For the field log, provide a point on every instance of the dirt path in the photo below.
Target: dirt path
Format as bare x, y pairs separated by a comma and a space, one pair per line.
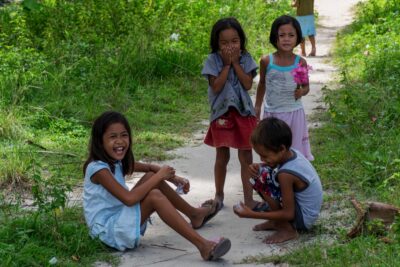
161, 246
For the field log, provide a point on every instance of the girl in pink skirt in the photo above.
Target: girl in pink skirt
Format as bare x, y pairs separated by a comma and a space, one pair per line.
278, 82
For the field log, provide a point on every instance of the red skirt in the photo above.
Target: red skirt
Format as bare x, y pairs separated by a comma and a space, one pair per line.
231, 130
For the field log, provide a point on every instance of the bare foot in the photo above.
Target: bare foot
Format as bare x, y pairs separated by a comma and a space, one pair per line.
312, 54
218, 201
265, 226
281, 236
206, 249
198, 219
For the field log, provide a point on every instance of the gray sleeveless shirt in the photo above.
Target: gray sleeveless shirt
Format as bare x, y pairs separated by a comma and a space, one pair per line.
279, 88
310, 198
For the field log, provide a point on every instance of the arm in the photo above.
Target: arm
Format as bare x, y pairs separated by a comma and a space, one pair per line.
286, 213
176, 180
261, 85
218, 83
145, 167
129, 198
246, 79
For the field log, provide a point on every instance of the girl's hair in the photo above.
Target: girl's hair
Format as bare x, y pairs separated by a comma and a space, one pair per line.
272, 133
224, 24
283, 20
96, 147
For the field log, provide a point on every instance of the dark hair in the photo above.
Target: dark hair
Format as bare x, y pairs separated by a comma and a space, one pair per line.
223, 24
96, 147
272, 133
283, 20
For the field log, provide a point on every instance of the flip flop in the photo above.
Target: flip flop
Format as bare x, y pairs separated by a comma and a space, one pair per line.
208, 217
261, 207
220, 249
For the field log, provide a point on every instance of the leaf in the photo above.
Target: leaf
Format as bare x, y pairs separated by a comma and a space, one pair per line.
31, 4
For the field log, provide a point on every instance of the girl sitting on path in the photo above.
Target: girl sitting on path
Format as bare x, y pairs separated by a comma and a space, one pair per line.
287, 182
230, 70
282, 97
117, 215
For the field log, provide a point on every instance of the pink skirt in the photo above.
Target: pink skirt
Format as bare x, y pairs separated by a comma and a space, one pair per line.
231, 130
298, 124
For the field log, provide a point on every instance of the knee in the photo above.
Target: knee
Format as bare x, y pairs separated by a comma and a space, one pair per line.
155, 195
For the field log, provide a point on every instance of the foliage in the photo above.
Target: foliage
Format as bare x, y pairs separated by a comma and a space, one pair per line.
65, 62
32, 239
367, 108
26, 234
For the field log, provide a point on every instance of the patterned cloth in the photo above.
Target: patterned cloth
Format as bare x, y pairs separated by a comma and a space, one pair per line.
266, 183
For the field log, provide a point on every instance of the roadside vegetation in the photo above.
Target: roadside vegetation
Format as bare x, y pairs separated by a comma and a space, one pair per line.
357, 148
62, 63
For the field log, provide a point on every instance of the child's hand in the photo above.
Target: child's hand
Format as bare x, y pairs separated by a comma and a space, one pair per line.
242, 210
298, 93
181, 182
254, 170
235, 54
166, 172
226, 56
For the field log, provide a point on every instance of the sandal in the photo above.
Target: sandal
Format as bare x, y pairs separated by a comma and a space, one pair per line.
208, 216
220, 249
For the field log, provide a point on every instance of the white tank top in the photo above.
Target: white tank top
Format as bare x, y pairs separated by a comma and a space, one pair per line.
279, 88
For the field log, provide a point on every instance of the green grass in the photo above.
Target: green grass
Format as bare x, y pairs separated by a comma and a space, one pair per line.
65, 62
33, 239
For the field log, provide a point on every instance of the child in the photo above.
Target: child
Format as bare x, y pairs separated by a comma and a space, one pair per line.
230, 70
305, 16
117, 215
289, 183
282, 98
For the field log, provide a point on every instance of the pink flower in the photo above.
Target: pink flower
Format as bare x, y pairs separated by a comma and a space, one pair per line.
300, 74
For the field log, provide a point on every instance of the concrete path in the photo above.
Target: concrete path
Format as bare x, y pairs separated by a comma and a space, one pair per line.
161, 246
